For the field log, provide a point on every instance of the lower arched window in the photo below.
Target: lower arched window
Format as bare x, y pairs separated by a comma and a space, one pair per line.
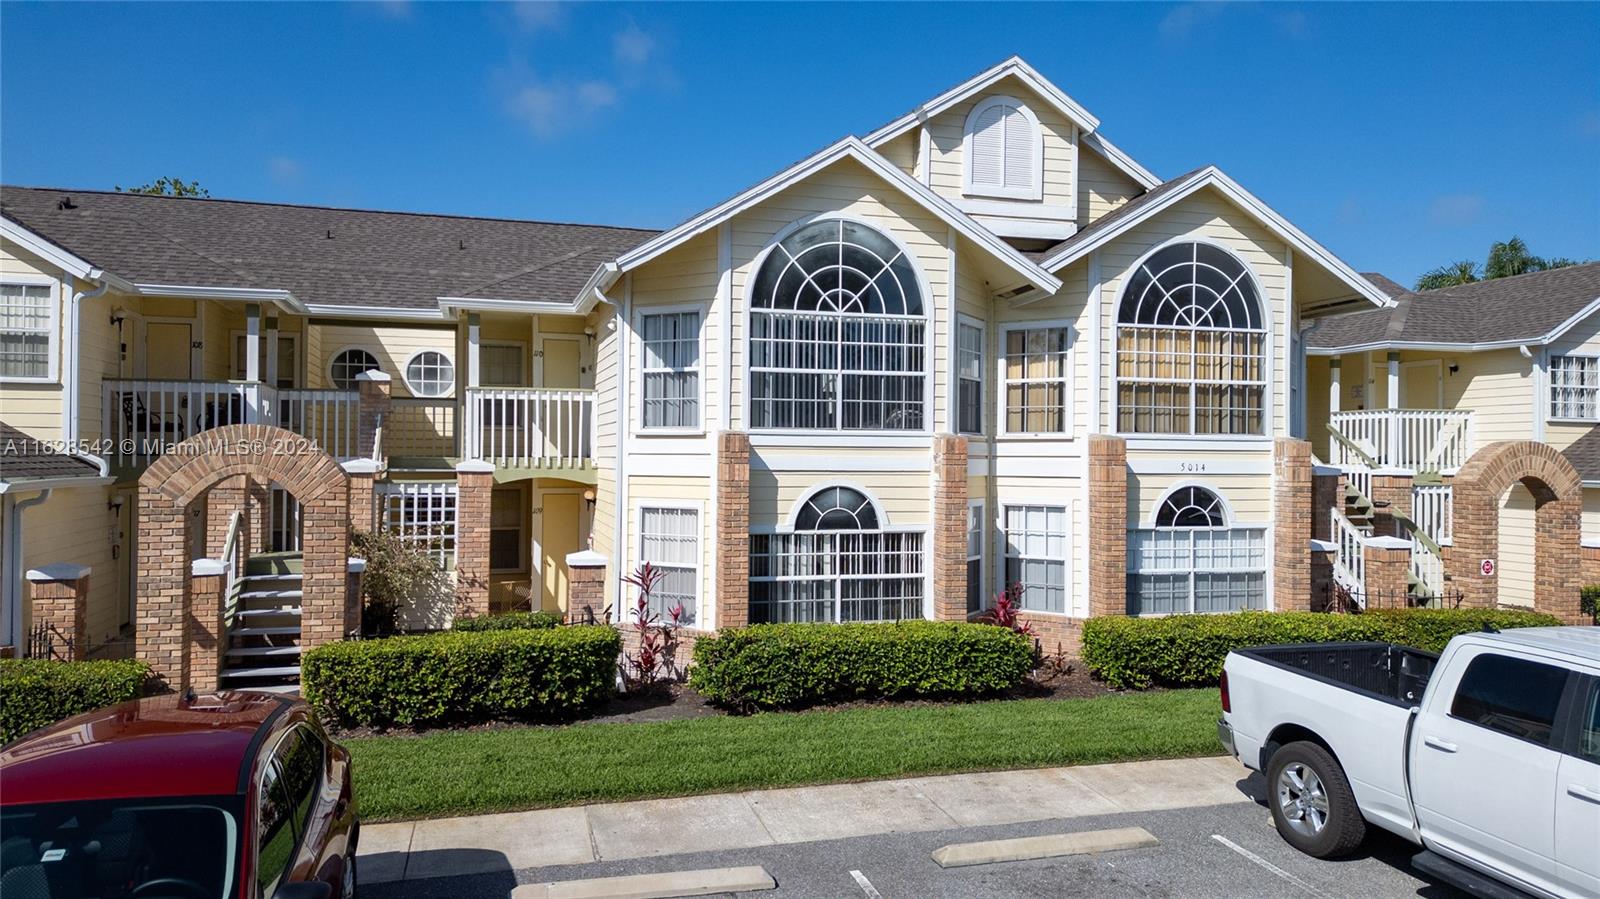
1193, 559
838, 562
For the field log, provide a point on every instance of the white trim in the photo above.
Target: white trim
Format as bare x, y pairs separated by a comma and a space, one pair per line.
839, 463
1035, 188
450, 305
702, 312
405, 374
1013, 67
23, 486
1096, 335
385, 313
1069, 558
1061, 216
724, 304
1207, 465
925, 156
1119, 159
53, 342
1509, 344
1229, 519
1003, 408
698, 507
283, 299
814, 489
1199, 442
1213, 177
327, 371
60, 257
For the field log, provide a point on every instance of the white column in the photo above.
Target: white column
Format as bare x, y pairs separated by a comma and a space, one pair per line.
1334, 388
1394, 379
252, 342
272, 351
474, 433
472, 350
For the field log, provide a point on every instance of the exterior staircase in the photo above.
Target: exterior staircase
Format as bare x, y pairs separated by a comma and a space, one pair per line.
264, 625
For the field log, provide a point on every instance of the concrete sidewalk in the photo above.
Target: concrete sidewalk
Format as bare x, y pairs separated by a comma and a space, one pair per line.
581, 835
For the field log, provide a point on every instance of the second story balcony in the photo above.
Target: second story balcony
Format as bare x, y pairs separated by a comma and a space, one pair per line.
1419, 440
141, 419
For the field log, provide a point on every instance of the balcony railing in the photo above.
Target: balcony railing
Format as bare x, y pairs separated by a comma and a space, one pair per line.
1421, 440
519, 427
141, 419
422, 428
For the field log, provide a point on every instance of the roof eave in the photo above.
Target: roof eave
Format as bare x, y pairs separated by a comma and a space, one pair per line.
1015, 66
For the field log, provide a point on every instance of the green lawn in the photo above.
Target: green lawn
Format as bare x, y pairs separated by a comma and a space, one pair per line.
442, 774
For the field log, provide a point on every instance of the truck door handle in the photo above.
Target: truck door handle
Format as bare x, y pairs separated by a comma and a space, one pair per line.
1441, 745
1583, 792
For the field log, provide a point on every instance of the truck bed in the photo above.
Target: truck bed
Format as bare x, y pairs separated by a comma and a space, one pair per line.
1395, 674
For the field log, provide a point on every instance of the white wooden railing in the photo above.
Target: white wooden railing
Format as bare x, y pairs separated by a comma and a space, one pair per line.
1433, 509
1349, 557
1413, 439
283, 524
330, 417
530, 427
1361, 480
1426, 565
421, 427
141, 419
230, 570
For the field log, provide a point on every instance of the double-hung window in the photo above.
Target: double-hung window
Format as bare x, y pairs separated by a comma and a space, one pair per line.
27, 332
974, 556
669, 539
969, 376
1034, 373
1036, 555
506, 544
1575, 387
1194, 560
671, 369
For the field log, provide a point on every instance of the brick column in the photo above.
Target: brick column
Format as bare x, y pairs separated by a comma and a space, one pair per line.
1326, 493
1388, 561
373, 387
1322, 553
1557, 558
60, 597
1108, 525
258, 517
163, 586
474, 487
949, 557
1391, 501
203, 630
1589, 567
325, 614
226, 498
363, 482
1291, 524
733, 529
586, 587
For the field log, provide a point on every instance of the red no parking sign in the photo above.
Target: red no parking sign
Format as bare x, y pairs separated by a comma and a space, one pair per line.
1486, 567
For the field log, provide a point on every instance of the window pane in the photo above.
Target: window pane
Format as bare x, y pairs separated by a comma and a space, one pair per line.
1512, 696
275, 829
670, 540
500, 365
347, 365
430, 374
1589, 732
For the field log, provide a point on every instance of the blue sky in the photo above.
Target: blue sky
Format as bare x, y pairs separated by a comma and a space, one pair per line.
1400, 136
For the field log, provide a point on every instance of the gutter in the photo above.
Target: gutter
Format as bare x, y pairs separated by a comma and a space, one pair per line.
11, 576
70, 386
48, 484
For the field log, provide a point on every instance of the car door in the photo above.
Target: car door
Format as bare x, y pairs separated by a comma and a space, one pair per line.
1577, 847
1484, 767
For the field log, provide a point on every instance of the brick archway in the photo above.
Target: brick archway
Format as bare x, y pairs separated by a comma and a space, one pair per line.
179, 628
1558, 506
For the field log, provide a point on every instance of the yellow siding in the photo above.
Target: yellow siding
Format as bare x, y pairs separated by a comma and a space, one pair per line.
1591, 513
393, 345
1516, 547
947, 130
671, 491
905, 497
1248, 495
1102, 187
686, 276
902, 151
35, 409
75, 526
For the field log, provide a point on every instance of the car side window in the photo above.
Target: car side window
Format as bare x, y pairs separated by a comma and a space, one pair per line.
1589, 725
1513, 696
276, 832
301, 757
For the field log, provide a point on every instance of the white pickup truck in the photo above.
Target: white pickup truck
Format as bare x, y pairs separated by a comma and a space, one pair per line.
1487, 756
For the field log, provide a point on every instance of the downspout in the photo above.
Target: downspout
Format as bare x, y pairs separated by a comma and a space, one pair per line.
70, 381
13, 566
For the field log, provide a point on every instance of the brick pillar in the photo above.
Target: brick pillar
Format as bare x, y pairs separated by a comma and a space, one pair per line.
1557, 558
1589, 567
1322, 553
586, 587
373, 387
733, 529
363, 480
1391, 501
474, 488
1291, 523
258, 517
325, 613
949, 558
163, 586
227, 497
60, 597
1326, 493
1388, 561
204, 634
1108, 525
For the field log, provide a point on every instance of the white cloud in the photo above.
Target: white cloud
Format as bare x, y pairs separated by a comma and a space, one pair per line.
284, 170
633, 46
1294, 23
394, 9
1455, 210
538, 15
1182, 20
549, 107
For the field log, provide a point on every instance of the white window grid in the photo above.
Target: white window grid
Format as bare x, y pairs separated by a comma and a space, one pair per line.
975, 584
1168, 383
837, 371
837, 576
1202, 569
969, 376
501, 365
27, 331
348, 363
1035, 379
422, 513
1035, 539
1575, 387
430, 374
670, 398
669, 539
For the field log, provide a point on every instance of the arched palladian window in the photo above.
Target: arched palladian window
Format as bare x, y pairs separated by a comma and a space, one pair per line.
838, 333
838, 562
1195, 559
1002, 152
1191, 345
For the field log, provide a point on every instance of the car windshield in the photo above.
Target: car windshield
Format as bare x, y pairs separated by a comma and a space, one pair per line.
109, 849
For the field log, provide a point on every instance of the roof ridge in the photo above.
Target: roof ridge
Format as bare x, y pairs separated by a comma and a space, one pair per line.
529, 269
328, 208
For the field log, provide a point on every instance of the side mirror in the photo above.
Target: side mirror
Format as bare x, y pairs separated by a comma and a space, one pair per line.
311, 889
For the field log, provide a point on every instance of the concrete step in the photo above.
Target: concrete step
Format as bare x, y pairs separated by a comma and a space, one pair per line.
270, 578
264, 651
271, 594
284, 631
262, 613
269, 671
273, 563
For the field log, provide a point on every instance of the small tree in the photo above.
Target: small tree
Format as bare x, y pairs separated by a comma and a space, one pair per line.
655, 642
167, 187
399, 573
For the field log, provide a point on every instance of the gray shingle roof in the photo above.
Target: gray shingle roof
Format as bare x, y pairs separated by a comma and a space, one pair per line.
398, 259
1517, 309
22, 458
1584, 454
1110, 219
1384, 283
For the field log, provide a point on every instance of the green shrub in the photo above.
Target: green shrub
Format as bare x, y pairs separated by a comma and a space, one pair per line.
512, 621
462, 677
1188, 650
792, 665
37, 692
1589, 602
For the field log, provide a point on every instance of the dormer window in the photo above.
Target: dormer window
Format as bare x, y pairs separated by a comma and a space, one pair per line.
1002, 153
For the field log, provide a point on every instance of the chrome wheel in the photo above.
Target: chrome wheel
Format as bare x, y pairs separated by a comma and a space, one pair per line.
1302, 799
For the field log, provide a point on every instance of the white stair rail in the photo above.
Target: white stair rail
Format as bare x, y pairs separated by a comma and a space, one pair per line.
1349, 556
230, 570
1414, 439
1426, 565
1433, 509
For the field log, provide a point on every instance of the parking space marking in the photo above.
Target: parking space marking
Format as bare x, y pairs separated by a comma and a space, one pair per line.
1269, 866
866, 885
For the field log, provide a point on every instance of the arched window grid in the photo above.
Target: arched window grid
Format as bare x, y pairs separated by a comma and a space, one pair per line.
1195, 558
1191, 345
838, 333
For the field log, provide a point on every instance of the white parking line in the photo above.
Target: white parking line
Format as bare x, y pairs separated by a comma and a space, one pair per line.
866, 885
1258, 860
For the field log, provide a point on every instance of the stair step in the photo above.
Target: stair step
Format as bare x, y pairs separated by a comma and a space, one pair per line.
271, 594
284, 631
257, 613
264, 651
269, 671
272, 577
273, 563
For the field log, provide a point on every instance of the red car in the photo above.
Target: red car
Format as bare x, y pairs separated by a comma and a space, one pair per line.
231, 795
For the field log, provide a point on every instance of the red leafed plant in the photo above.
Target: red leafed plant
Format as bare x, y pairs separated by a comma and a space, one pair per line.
1006, 611
649, 654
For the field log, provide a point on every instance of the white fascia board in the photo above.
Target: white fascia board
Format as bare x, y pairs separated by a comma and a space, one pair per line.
1069, 108
451, 305
1483, 346
58, 256
593, 293
33, 485
386, 313
1569, 324
281, 298
1115, 155
1211, 176
853, 148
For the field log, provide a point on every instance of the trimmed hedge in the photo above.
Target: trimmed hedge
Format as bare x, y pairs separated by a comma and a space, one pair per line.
38, 692
793, 665
1188, 650
511, 621
463, 678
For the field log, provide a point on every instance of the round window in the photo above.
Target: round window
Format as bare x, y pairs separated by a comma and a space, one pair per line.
347, 364
429, 373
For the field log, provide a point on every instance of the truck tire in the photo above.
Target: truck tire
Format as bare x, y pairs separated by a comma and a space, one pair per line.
1312, 805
